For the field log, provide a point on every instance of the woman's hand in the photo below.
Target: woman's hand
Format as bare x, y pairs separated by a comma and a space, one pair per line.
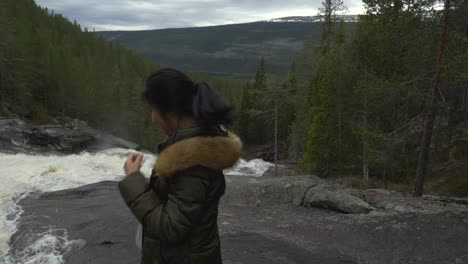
133, 163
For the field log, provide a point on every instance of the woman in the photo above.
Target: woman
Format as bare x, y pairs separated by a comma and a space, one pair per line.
178, 208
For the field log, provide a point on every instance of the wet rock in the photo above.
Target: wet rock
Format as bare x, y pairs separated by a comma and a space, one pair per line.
62, 139
16, 136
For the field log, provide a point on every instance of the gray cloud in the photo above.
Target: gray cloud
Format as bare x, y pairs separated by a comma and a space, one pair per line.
153, 14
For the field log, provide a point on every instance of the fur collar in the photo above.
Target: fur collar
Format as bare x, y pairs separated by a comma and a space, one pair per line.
217, 153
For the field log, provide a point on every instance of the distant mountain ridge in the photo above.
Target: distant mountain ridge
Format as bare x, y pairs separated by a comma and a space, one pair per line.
226, 50
315, 19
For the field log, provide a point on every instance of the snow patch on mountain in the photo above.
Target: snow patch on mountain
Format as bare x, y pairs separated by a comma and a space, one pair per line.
314, 19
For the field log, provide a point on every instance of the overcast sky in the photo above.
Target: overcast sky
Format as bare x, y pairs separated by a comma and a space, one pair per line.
154, 14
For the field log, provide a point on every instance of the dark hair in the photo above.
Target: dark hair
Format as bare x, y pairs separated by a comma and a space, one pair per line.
170, 90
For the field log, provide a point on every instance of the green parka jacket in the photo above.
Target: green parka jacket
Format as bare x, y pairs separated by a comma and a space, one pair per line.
178, 207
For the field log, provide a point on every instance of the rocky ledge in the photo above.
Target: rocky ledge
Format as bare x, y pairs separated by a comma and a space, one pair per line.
17, 136
294, 219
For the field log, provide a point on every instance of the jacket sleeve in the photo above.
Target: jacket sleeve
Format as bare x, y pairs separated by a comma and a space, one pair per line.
167, 220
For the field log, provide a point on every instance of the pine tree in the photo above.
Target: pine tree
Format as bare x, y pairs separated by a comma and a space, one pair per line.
432, 109
258, 130
322, 146
245, 119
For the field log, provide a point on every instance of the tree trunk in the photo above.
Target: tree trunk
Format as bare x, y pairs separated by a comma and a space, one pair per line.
365, 165
276, 136
329, 23
431, 112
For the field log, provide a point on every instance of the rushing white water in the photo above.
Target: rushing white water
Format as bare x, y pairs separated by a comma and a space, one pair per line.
22, 174
255, 167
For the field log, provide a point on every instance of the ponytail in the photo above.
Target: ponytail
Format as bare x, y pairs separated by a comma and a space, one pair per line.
208, 106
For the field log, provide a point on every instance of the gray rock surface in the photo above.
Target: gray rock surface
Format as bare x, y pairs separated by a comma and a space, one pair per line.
388, 200
260, 222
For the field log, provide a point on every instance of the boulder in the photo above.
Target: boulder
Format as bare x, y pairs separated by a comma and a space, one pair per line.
338, 199
259, 191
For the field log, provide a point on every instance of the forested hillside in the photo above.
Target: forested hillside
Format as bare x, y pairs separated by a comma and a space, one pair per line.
225, 50
367, 104
50, 67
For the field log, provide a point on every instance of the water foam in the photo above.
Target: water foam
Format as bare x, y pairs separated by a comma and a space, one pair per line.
46, 247
255, 167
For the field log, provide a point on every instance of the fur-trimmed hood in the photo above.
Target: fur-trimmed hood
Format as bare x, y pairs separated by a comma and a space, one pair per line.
218, 152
